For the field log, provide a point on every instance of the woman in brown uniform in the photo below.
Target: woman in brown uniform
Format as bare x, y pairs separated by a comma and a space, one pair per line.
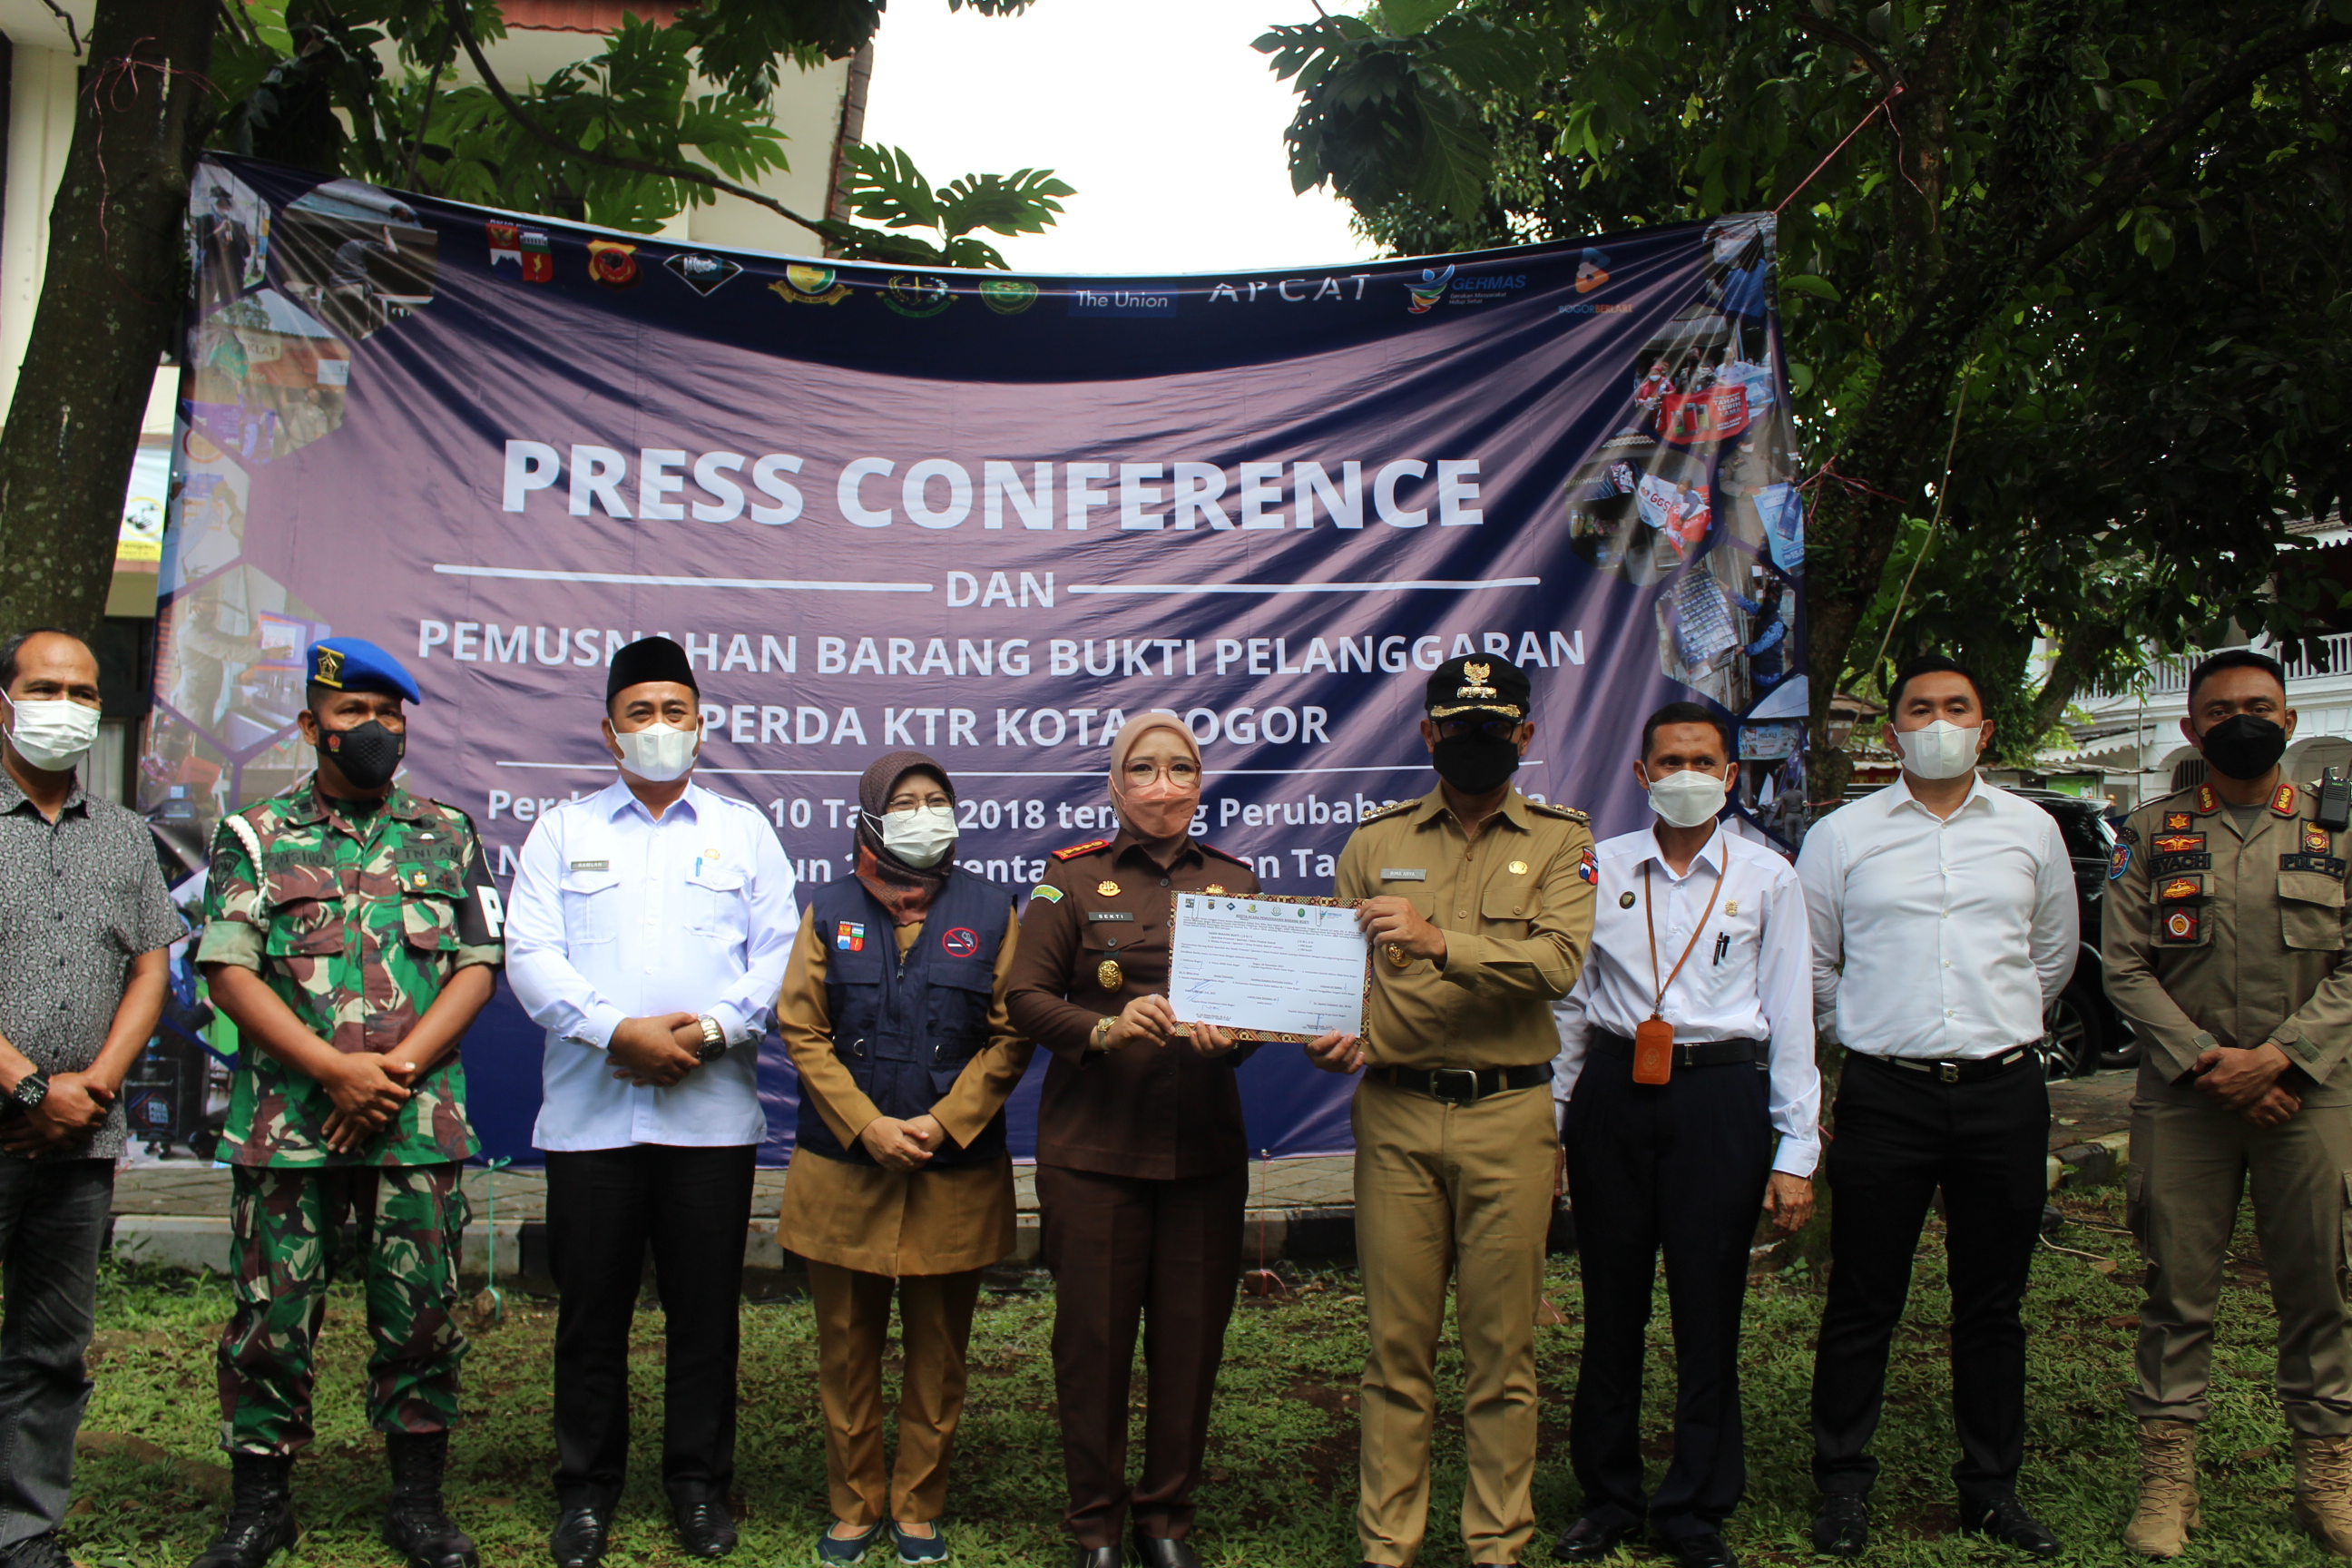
891, 1008
1142, 1161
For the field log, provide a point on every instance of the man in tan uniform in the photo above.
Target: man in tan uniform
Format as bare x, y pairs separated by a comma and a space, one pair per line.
2225, 946
1479, 904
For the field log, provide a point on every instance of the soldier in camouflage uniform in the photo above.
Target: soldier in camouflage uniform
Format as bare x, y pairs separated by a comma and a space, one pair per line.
351, 932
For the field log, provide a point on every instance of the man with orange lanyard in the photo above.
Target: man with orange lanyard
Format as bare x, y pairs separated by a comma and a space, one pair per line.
1701, 953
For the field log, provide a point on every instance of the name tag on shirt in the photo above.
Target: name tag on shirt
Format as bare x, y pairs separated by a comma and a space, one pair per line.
591, 865
1404, 874
1094, 917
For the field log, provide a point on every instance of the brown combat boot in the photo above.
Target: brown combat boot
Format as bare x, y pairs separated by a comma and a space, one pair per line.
2168, 1489
2323, 1491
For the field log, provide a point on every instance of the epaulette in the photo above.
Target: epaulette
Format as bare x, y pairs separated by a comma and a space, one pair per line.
1225, 854
2284, 801
1387, 811
1088, 847
1564, 813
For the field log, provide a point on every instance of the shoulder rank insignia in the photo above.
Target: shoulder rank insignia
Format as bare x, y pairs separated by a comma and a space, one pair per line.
2180, 926
1387, 811
1588, 867
2316, 838
1563, 813
1075, 850
2179, 843
2118, 859
2176, 821
2208, 801
2284, 801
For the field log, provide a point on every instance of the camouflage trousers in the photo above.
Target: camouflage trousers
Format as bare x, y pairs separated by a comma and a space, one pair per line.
287, 1235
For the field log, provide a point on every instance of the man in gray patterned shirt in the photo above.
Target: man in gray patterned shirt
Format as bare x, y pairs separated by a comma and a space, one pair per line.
84, 925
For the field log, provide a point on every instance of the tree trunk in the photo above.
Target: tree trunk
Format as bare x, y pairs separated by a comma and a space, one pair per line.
110, 299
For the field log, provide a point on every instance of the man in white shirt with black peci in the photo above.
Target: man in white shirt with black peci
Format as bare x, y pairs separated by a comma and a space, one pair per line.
647, 934
1944, 920
1700, 935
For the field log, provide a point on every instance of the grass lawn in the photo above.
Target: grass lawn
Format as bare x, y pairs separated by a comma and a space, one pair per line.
1282, 1459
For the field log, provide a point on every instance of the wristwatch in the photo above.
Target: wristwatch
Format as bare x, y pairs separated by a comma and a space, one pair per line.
30, 1091
714, 1041
1101, 1040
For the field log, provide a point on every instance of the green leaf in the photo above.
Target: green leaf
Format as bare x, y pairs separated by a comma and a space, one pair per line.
1403, 19
1807, 283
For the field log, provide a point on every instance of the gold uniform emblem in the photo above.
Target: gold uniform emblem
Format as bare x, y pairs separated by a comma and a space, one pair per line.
331, 668
1397, 957
1108, 890
1474, 680
421, 878
1732, 908
1216, 887
1516, 867
1109, 975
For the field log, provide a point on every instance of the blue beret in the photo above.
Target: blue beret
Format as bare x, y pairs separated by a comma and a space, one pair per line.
354, 664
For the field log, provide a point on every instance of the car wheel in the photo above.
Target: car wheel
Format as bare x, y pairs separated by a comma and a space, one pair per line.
2075, 1032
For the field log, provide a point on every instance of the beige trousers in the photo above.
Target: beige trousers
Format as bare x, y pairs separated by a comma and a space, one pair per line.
1462, 1192
853, 1330
2190, 1165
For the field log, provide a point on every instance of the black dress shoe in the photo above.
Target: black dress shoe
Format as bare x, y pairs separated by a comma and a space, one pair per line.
579, 1536
2006, 1520
705, 1529
1101, 1557
1589, 1540
1158, 1551
1841, 1527
1706, 1550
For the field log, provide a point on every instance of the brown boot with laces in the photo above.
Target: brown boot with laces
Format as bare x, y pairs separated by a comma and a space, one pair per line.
2168, 1489
2323, 1490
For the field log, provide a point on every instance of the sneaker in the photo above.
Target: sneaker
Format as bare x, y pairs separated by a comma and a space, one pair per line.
932, 1548
844, 1548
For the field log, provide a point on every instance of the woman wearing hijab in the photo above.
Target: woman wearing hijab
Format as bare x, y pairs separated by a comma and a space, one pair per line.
1142, 1163
892, 1010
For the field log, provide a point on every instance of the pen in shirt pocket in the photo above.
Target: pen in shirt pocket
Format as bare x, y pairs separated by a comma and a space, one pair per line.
1722, 946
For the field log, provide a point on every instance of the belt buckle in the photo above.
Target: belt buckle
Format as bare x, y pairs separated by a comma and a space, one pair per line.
1439, 1074
1950, 1072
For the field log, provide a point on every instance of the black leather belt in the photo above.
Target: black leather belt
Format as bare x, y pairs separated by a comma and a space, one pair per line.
1698, 1054
1462, 1085
1945, 1069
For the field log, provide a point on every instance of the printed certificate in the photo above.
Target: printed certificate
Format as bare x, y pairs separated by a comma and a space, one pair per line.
1269, 969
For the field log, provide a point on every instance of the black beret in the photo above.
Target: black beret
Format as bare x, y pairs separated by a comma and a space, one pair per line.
649, 659
1476, 684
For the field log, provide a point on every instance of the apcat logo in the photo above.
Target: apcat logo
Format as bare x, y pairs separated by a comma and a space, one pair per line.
1292, 291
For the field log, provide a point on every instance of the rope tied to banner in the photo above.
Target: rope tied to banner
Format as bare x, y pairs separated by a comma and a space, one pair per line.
1882, 105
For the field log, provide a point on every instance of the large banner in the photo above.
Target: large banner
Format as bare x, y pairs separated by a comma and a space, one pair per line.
988, 516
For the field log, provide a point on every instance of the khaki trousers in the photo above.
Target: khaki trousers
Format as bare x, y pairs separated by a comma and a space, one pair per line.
1460, 1191
853, 1330
2190, 1164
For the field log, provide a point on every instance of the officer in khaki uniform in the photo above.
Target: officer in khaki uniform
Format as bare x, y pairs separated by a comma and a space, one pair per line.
2225, 948
1479, 905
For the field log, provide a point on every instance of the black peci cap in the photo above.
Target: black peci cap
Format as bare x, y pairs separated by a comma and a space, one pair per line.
649, 659
1476, 684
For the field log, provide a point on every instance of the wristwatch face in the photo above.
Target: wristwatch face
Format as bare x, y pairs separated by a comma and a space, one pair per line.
30, 1091
712, 1050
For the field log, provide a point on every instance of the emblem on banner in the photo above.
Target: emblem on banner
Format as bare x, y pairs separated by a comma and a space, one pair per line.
1425, 294
613, 264
918, 294
702, 273
537, 260
1592, 273
805, 285
506, 250
1007, 296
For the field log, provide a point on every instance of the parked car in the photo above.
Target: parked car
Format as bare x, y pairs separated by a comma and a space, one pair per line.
2082, 1030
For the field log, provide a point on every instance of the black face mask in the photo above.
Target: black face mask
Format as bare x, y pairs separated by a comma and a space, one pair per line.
2244, 747
1476, 762
369, 754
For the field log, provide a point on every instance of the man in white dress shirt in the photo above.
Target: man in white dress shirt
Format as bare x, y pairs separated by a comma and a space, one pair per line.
648, 932
1682, 1165
1944, 920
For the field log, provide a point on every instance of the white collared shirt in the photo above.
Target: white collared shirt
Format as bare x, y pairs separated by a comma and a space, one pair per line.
615, 915
1954, 933
1756, 990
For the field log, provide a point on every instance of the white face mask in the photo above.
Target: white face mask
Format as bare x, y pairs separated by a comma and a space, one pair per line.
1941, 750
1687, 797
53, 735
921, 836
657, 753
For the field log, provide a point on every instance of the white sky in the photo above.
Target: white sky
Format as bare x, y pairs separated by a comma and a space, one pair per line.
1162, 116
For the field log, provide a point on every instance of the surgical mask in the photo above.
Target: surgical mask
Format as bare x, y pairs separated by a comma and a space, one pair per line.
921, 836
1476, 762
368, 754
657, 753
1687, 797
53, 735
2243, 746
1941, 750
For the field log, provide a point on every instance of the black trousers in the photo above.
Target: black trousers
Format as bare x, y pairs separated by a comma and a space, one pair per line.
603, 1206
1678, 1167
1900, 1135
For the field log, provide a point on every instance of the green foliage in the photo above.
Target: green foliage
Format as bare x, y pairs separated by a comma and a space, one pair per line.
616, 139
2125, 217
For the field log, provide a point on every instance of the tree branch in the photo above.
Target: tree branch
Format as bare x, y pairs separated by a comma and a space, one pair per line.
1830, 32
822, 227
2130, 167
